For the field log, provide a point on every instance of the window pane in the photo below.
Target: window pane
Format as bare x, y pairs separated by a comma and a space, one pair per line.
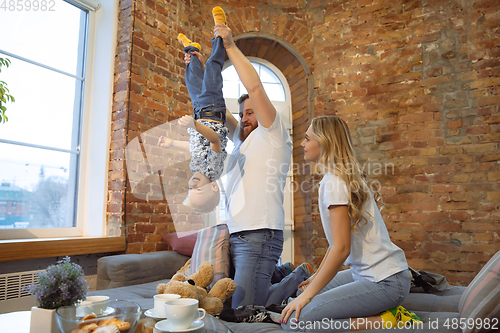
37, 187
268, 76
272, 83
229, 74
230, 89
242, 90
45, 106
275, 92
256, 66
48, 37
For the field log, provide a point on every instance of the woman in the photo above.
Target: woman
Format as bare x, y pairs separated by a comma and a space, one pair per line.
378, 278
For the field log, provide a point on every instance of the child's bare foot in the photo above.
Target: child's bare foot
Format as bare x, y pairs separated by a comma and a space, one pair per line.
187, 42
219, 15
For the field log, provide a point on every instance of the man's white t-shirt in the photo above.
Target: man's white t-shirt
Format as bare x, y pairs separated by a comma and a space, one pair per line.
256, 177
373, 255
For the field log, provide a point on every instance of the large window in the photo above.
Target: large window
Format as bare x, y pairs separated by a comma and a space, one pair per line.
41, 143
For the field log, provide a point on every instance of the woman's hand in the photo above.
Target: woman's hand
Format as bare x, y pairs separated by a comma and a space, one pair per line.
296, 305
306, 283
221, 30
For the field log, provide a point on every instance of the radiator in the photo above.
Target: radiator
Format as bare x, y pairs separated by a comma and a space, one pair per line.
12, 295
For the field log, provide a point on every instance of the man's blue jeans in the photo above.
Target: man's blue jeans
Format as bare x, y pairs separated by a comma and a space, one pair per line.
344, 298
205, 89
254, 254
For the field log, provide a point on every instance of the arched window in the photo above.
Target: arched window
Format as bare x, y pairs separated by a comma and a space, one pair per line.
233, 88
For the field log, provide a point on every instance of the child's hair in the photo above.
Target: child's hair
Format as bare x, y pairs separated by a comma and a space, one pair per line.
338, 157
211, 202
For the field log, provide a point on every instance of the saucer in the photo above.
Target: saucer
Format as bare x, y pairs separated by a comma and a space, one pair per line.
163, 326
151, 313
107, 312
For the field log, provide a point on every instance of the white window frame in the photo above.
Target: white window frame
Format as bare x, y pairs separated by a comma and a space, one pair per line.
95, 127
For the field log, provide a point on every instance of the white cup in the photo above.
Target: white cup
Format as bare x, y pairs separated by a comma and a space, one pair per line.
92, 304
160, 300
181, 313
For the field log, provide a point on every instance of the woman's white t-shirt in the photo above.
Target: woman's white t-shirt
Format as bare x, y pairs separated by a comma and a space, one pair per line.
373, 256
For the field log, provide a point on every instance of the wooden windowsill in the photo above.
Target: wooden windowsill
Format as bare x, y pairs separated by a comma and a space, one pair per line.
19, 249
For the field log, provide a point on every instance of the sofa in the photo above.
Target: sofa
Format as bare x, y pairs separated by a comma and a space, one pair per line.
458, 309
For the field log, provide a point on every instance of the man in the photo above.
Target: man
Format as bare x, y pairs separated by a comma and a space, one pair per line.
256, 177
254, 191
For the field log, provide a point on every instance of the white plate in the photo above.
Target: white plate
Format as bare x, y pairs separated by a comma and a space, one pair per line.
151, 313
163, 326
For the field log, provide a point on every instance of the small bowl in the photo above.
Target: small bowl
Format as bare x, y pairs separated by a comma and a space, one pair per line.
127, 311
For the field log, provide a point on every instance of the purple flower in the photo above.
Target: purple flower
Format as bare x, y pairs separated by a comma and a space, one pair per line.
60, 285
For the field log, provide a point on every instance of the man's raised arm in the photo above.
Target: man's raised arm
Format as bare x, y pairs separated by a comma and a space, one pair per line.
264, 109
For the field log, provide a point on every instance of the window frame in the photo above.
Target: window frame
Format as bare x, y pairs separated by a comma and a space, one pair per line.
95, 127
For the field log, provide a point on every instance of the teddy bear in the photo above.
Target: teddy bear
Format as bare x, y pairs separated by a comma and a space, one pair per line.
193, 286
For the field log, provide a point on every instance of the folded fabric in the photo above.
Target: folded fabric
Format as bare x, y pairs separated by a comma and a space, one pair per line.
427, 282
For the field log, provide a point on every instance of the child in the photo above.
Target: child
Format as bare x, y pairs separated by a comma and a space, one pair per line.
378, 278
208, 133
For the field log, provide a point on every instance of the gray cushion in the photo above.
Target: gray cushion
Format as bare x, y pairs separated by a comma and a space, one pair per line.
480, 303
131, 269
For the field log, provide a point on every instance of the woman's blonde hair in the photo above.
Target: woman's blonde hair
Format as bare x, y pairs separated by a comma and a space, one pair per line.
338, 156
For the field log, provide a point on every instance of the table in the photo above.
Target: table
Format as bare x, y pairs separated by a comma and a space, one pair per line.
214, 325
19, 322
15, 322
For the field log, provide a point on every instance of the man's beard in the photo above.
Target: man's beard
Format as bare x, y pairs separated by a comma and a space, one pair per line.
243, 135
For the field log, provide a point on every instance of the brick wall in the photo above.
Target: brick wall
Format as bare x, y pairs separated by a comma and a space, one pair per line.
417, 81
149, 91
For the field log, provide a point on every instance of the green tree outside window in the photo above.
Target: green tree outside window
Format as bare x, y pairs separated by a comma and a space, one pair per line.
4, 93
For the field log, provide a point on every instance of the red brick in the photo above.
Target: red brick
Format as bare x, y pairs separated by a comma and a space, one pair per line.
430, 206
144, 228
445, 188
440, 247
454, 123
417, 117
440, 226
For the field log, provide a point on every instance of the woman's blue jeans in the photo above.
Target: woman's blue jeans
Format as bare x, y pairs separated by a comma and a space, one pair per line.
254, 254
205, 89
344, 298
